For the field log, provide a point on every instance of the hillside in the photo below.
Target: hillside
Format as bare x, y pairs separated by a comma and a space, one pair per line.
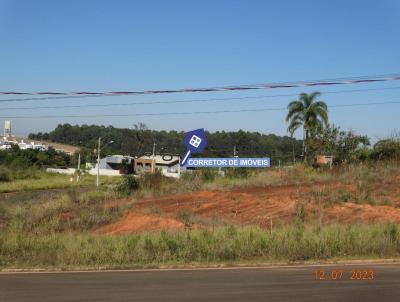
140, 140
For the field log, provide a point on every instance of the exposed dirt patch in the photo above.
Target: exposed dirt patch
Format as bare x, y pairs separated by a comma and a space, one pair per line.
256, 206
137, 222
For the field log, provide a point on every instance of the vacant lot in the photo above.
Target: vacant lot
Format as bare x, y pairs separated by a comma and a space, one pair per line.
39, 180
362, 194
293, 214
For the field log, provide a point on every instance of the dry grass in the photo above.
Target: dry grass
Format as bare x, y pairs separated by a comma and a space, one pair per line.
47, 181
54, 230
227, 245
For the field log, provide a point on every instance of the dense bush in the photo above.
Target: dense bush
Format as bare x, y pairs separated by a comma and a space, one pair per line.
239, 172
152, 181
344, 146
128, 184
386, 149
208, 174
22, 159
5, 174
14, 173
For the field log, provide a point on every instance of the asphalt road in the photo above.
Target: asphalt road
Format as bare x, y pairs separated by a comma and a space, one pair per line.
297, 283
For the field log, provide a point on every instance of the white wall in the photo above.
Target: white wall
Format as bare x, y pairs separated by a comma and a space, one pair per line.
69, 171
107, 172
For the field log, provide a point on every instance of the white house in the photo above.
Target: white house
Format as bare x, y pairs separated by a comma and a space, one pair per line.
114, 165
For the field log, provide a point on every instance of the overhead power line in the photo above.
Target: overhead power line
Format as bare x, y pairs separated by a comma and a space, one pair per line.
326, 82
192, 100
188, 113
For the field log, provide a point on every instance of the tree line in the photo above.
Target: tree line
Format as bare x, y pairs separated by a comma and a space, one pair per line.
322, 138
307, 113
139, 140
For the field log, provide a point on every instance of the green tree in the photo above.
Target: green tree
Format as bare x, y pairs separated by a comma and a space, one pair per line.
387, 149
308, 113
139, 140
344, 146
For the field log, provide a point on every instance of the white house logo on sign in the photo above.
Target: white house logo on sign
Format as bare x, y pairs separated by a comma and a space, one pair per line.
195, 141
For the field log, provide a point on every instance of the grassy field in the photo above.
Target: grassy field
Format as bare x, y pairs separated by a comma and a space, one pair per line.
45, 181
55, 229
208, 179
362, 175
223, 245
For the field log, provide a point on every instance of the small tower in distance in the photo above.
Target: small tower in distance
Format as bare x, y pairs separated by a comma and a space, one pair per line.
7, 128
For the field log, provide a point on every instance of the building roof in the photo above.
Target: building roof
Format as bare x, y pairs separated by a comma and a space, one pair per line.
117, 159
166, 159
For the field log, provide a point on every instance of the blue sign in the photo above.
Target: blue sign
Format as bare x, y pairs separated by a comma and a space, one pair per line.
195, 141
233, 162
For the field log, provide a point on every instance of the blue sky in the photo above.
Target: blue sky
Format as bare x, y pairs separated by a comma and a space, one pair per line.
138, 45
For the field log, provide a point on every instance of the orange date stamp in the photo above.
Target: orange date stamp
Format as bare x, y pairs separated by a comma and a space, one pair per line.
336, 274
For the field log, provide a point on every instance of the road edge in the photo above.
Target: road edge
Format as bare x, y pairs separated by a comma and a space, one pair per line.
189, 267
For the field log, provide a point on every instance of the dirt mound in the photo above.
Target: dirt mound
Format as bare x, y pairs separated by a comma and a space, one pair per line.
257, 206
137, 222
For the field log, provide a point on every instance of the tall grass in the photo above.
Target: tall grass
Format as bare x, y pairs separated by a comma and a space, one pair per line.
227, 245
40, 180
55, 230
70, 211
156, 184
371, 183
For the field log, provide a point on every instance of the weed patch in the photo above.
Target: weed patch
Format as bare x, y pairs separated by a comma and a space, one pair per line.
226, 244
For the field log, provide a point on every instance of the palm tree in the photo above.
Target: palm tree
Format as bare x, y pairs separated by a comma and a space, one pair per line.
291, 131
306, 112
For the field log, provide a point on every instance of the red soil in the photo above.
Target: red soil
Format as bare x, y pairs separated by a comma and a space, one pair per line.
137, 222
254, 206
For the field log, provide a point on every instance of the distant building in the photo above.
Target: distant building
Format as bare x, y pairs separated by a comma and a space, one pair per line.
4, 145
7, 128
324, 160
117, 162
167, 164
25, 146
114, 165
117, 165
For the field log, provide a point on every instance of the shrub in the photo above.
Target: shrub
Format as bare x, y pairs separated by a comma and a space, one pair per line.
386, 149
3, 214
5, 174
185, 217
238, 173
152, 180
300, 214
128, 184
191, 180
28, 173
208, 174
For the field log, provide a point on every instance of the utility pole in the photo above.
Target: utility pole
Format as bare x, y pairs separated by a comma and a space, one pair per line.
78, 176
234, 151
153, 165
154, 149
98, 163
